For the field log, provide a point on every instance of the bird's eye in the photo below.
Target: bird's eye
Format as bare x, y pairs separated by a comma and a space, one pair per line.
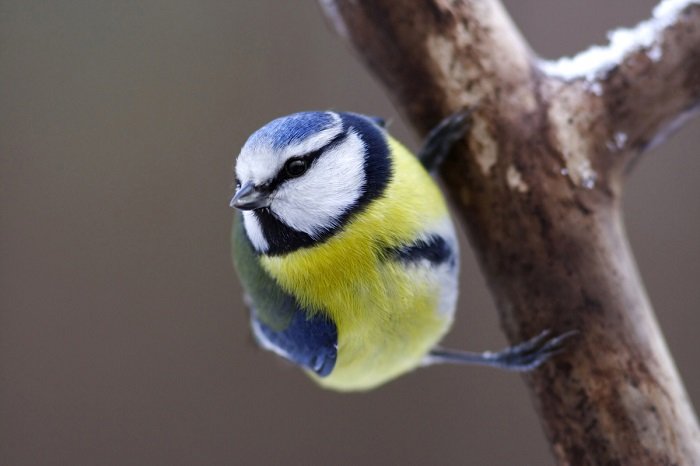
295, 167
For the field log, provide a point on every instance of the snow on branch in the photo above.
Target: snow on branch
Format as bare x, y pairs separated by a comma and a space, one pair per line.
595, 62
643, 85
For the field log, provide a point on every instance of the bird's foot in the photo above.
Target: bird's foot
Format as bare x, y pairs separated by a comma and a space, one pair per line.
531, 353
442, 138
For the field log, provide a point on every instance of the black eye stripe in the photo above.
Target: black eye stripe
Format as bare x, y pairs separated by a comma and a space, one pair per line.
309, 158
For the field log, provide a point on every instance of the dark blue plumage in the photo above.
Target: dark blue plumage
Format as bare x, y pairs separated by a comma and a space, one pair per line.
280, 323
377, 160
310, 342
292, 129
434, 249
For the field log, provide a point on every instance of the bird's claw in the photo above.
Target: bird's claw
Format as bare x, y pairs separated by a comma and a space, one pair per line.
531, 353
441, 138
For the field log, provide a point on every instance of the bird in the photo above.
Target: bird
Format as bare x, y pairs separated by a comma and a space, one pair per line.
347, 253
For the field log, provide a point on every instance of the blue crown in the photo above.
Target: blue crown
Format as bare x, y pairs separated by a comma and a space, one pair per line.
291, 129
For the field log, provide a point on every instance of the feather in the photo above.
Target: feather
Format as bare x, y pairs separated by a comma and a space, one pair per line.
279, 323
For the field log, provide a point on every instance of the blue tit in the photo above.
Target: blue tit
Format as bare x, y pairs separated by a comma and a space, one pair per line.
347, 253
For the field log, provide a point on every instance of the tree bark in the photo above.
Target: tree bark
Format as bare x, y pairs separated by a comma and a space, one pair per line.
538, 183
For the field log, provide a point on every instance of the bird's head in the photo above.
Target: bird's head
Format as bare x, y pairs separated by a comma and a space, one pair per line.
300, 177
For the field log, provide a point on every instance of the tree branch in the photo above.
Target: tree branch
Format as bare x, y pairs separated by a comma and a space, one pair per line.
432, 43
648, 77
539, 192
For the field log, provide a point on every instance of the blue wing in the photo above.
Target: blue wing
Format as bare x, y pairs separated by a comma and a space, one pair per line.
279, 323
310, 342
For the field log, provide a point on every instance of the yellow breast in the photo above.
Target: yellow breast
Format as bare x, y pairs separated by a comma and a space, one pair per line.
385, 312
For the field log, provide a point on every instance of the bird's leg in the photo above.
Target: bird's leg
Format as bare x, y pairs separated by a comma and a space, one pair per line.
521, 357
440, 140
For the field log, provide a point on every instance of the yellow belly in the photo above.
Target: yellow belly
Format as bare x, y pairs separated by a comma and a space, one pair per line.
388, 314
391, 338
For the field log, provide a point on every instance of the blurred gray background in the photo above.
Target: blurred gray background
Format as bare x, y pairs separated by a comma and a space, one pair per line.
123, 338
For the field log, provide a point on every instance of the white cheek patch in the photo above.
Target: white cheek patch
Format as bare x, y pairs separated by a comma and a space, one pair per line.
314, 202
254, 232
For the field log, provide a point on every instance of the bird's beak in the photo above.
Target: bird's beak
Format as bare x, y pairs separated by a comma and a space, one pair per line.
250, 197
